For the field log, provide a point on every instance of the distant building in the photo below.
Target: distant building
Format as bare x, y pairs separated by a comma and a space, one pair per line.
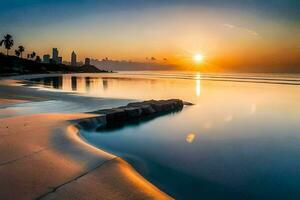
87, 61
66, 62
73, 59
59, 60
52, 61
55, 55
46, 58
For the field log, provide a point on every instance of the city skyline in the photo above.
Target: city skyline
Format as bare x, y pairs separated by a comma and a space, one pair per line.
230, 35
55, 58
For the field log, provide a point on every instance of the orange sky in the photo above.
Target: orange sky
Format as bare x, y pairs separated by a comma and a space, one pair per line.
227, 38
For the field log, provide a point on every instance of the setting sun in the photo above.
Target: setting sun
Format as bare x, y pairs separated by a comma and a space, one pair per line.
198, 57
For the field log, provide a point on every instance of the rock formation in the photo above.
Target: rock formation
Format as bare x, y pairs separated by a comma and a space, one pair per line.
133, 111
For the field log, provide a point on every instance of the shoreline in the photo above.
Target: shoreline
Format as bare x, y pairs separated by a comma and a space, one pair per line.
44, 157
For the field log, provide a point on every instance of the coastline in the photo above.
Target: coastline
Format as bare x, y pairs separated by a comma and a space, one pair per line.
43, 156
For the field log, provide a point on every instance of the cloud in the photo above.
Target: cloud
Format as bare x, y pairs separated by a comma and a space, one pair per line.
246, 30
229, 25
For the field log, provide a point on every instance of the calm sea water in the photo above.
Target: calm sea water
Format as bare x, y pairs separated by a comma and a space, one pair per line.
241, 139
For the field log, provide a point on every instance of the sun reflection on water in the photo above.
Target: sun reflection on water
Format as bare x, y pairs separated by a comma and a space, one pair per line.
190, 138
198, 84
228, 118
253, 109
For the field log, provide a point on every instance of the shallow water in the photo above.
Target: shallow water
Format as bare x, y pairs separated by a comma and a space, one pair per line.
241, 140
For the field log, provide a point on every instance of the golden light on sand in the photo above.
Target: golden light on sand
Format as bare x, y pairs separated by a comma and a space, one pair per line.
198, 57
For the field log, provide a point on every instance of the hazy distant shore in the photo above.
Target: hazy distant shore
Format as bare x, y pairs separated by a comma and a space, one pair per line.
11, 65
43, 156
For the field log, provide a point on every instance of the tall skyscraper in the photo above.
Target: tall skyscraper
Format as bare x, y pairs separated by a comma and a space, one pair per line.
73, 59
60, 60
55, 55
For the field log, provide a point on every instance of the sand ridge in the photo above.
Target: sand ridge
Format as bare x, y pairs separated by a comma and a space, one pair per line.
42, 156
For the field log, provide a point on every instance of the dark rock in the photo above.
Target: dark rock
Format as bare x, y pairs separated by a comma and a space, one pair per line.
133, 112
138, 110
157, 107
92, 122
116, 115
104, 111
147, 110
135, 104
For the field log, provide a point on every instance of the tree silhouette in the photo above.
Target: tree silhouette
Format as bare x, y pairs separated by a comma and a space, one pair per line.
8, 42
32, 55
21, 49
17, 52
38, 59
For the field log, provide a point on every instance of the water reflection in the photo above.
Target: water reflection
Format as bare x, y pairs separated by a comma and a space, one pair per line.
81, 85
253, 109
228, 118
198, 88
198, 85
122, 87
190, 137
249, 144
74, 83
105, 84
207, 125
66, 83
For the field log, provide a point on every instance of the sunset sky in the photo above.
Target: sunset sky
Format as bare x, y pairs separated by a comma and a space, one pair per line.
230, 35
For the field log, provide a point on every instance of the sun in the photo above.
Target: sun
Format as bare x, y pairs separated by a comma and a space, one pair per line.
198, 57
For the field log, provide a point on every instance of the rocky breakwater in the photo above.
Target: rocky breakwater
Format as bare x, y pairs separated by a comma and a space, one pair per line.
140, 110
136, 111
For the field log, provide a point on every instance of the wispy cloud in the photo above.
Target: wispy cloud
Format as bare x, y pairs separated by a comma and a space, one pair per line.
243, 29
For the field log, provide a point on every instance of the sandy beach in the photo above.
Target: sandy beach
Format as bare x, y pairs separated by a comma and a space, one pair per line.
42, 155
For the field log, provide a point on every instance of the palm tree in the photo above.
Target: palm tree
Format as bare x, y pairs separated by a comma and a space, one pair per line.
32, 55
17, 52
21, 49
8, 42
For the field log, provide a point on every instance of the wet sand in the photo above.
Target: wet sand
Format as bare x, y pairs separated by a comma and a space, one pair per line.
43, 157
